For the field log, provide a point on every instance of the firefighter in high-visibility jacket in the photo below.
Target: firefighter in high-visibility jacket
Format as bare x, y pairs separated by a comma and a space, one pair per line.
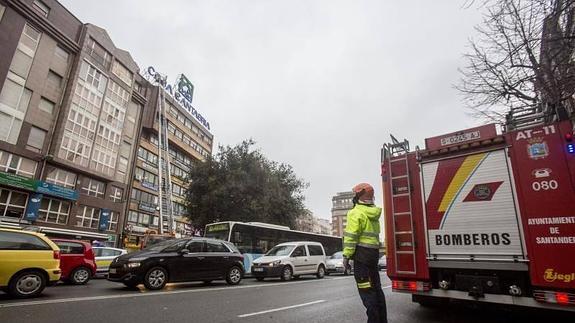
361, 244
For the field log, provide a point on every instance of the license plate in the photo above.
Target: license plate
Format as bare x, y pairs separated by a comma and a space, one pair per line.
258, 269
113, 270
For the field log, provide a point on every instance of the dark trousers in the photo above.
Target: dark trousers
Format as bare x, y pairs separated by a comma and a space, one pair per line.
369, 287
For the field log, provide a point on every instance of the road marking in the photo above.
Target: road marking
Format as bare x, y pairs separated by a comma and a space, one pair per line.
282, 308
106, 297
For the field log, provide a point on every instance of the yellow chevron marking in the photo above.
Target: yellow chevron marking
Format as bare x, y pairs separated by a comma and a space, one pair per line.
460, 177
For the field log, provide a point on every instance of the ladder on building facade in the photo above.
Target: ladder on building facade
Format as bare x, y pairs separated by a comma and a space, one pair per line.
166, 221
396, 158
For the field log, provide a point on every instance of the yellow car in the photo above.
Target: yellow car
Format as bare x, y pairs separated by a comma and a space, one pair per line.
28, 262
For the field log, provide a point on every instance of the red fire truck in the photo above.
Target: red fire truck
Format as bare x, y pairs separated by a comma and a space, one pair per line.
483, 216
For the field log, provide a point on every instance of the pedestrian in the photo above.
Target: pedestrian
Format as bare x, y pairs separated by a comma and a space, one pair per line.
361, 243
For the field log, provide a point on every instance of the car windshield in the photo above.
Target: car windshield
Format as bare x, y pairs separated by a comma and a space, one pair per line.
337, 255
280, 250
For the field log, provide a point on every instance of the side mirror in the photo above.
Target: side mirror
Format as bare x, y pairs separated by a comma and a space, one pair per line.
184, 252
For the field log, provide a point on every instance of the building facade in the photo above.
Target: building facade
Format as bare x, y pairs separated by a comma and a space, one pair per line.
76, 123
188, 141
342, 202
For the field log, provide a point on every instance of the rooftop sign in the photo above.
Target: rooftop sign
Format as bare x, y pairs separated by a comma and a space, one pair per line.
182, 91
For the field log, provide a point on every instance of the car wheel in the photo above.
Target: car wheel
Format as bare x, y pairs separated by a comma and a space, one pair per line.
27, 284
286, 273
80, 276
131, 284
260, 279
156, 278
320, 272
234, 275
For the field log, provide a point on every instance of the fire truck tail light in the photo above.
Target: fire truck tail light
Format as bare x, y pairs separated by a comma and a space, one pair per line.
569, 137
410, 286
560, 298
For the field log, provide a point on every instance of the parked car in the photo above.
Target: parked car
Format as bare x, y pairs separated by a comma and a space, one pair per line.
105, 256
334, 264
179, 260
291, 259
76, 261
382, 263
28, 262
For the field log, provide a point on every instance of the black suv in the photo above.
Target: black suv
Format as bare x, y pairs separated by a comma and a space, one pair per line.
179, 260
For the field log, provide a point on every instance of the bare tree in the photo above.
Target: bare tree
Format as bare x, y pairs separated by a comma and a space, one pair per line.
523, 57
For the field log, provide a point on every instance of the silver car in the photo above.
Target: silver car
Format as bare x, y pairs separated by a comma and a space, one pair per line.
335, 264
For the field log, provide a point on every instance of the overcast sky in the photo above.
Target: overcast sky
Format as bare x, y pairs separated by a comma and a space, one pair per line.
317, 84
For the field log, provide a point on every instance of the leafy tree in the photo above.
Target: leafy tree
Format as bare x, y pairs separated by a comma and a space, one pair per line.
241, 184
522, 58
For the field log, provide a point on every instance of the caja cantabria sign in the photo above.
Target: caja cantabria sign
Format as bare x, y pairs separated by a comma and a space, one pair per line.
182, 91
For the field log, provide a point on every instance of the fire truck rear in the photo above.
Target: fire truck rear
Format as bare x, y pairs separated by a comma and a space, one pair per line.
483, 216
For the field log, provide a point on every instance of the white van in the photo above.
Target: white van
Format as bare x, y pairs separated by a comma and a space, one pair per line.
291, 259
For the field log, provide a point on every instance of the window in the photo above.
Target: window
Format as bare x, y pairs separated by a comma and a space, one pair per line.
116, 194
54, 211
14, 100
216, 247
21, 63
131, 117
122, 73
118, 94
12, 203
315, 250
41, 7
113, 224
61, 177
178, 208
36, 139
98, 53
147, 179
148, 156
195, 246
139, 218
87, 217
46, 106
178, 190
144, 197
14, 164
299, 252
54, 82
93, 78
93, 187
70, 248
21, 241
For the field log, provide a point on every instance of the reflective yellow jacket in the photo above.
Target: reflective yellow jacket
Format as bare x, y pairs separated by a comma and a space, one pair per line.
362, 229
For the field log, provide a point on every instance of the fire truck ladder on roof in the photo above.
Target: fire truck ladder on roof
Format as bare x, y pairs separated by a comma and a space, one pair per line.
166, 223
395, 156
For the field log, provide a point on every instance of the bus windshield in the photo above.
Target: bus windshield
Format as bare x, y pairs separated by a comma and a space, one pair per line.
219, 231
280, 250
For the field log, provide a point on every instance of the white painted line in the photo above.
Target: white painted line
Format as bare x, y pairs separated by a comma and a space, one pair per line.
282, 308
107, 297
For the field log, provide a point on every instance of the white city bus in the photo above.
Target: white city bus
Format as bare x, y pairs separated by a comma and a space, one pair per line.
254, 239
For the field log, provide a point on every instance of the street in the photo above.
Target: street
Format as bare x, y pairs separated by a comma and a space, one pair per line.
332, 299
